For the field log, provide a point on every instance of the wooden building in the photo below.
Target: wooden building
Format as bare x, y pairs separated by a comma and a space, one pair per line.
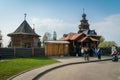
56, 48
85, 37
24, 36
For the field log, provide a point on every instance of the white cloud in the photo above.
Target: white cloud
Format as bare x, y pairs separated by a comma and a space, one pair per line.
50, 25
109, 28
6, 29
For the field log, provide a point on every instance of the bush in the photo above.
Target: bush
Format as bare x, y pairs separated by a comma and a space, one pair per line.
106, 51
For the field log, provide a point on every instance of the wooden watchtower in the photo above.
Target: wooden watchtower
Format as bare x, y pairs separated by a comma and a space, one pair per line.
24, 36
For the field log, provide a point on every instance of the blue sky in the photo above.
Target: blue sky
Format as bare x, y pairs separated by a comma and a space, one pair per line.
63, 16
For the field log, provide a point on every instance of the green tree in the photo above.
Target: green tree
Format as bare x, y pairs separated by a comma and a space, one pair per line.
47, 36
102, 39
107, 44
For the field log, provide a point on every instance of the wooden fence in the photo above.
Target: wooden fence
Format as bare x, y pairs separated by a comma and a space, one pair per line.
51, 50
21, 52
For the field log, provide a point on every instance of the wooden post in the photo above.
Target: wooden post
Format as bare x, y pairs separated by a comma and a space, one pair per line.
32, 51
14, 52
73, 43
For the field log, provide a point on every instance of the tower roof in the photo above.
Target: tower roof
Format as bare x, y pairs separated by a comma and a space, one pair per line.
84, 15
84, 23
24, 29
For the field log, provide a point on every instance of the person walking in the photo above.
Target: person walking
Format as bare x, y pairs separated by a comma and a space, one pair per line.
99, 52
82, 51
86, 54
94, 52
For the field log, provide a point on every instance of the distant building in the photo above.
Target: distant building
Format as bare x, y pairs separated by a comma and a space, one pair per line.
0, 39
85, 37
54, 35
24, 36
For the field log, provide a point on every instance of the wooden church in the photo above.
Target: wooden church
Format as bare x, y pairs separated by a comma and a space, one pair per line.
85, 37
24, 36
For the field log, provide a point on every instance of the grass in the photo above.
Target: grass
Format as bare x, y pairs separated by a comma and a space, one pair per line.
14, 66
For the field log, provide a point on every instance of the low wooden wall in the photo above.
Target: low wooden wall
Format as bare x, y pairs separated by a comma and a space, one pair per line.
52, 49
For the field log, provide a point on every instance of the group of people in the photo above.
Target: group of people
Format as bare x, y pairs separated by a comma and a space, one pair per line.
85, 51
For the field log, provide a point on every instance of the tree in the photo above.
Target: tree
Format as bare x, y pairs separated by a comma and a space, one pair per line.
107, 44
47, 36
102, 39
0, 39
44, 38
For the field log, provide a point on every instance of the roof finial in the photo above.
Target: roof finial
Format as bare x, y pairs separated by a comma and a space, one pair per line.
84, 15
25, 16
33, 25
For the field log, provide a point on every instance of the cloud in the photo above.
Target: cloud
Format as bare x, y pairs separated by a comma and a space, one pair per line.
52, 24
109, 27
6, 29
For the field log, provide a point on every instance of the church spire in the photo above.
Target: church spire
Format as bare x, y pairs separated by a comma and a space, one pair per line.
54, 35
84, 23
84, 15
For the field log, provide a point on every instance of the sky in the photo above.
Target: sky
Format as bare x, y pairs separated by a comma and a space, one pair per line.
62, 16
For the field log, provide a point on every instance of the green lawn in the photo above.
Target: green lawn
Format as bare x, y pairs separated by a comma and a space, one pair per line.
10, 67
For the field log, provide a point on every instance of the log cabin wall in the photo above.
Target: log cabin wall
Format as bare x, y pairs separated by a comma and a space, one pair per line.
24, 41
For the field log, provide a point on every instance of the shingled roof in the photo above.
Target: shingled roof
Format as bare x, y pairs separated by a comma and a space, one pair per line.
71, 36
25, 29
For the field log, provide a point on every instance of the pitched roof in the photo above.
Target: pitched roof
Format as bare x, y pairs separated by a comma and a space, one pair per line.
25, 29
87, 37
93, 39
71, 36
59, 42
67, 36
76, 36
